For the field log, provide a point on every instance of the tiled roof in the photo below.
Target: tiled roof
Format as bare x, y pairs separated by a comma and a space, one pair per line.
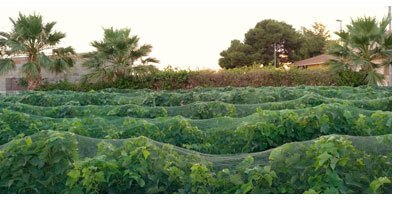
316, 60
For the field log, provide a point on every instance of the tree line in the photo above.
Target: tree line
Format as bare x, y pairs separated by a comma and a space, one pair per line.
366, 45
117, 54
270, 37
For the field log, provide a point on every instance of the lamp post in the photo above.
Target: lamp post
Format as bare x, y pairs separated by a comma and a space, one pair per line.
275, 54
339, 20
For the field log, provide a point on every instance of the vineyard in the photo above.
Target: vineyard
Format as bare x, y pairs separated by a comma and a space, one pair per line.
206, 140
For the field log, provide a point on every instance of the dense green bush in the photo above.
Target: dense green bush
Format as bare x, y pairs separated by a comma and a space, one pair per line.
250, 121
349, 78
37, 165
301, 139
259, 131
330, 165
13, 124
48, 162
238, 77
230, 95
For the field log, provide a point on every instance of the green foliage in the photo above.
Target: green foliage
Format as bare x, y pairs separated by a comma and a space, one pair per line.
258, 45
48, 163
262, 140
207, 110
93, 175
313, 41
15, 124
351, 78
237, 55
135, 167
137, 111
253, 133
116, 56
37, 165
330, 165
30, 36
201, 179
377, 183
365, 46
252, 76
62, 59
6, 64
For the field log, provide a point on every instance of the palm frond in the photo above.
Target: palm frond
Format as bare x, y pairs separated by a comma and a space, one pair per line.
48, 27
98, 75
144, 69
44, 61
31, 36
149, 60
55, 38
5, 35
15, 46
364, 46
373, 77
30, 69
115, 55
141, 52
6, 64
93, 60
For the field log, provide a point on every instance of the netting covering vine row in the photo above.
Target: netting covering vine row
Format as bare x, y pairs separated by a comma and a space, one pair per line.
206, 140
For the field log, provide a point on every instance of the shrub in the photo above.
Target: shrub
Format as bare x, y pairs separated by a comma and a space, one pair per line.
238, 77
37, 165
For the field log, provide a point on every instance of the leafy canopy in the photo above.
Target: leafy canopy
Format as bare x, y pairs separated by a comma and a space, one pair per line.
313, 40
31, 37
365, 46
117, 55
258, 45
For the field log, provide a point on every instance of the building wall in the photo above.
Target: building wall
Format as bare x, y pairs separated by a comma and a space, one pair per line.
318, 66
385, 72
73, 75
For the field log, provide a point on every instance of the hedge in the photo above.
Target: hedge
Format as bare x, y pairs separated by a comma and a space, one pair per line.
240, 77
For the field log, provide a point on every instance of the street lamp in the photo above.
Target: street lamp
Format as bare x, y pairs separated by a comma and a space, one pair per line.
339, 20
275, 54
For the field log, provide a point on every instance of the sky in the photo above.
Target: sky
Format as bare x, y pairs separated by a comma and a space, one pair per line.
184, 34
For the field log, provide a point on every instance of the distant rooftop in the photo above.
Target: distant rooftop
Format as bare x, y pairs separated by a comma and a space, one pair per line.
316, 60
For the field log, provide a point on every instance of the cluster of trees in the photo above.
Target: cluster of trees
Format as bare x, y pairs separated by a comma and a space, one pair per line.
270, 37
366, 45
118, 54
32, 37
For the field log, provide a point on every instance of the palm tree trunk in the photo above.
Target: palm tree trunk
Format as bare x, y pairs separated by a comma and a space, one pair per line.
36, 80
34, 83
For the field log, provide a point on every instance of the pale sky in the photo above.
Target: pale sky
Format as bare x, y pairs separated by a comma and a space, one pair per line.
184, 33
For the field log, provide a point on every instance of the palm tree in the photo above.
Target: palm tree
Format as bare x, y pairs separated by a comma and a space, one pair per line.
32, 38
365, 46
117, 55
62, 59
